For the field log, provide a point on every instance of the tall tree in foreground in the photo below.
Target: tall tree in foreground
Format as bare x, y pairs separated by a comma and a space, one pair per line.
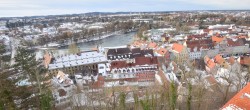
32, 70
6, 92
7, 86
172, 96
189, 98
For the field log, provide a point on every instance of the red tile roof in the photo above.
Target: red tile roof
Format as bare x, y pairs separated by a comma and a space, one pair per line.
119, 64
162, 51
218, 59
138, 61
238, 42
217, 39
198, 36
152, 45
231, 60
245, 60
177, 47
146, 60
203, 43
210, 63
241, 100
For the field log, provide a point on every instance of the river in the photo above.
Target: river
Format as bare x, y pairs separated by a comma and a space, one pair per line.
111, 41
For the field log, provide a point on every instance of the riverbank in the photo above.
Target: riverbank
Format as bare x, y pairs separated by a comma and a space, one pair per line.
94, 38
110, 41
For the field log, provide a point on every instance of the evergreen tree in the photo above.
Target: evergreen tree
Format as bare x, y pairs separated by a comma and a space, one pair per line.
6, 92
32, 70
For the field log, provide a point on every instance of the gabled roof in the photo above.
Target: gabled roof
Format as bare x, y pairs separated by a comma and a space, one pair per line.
245, 60
237, 42
231, 60
152, 45
210, 63
177, 47
146, 60
241, 101
217, 39
118, 51
202, 43
218, 59
162, 51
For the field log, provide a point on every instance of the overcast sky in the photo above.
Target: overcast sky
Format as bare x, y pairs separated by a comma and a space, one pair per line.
10, 8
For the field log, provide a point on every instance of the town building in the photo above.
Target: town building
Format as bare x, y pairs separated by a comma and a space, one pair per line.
127, 53
84, 62
62, 88
141, 69
198, 48
180, 52
240, 101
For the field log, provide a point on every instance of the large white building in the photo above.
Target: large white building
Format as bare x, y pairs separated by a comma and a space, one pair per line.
73, 63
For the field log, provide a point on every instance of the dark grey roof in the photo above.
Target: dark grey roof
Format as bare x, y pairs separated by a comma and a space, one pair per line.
118, 51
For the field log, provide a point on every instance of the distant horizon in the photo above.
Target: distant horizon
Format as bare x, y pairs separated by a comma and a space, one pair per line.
29, 8
119, 12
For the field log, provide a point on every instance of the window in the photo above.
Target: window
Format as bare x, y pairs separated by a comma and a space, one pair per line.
101, 67
128, 70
